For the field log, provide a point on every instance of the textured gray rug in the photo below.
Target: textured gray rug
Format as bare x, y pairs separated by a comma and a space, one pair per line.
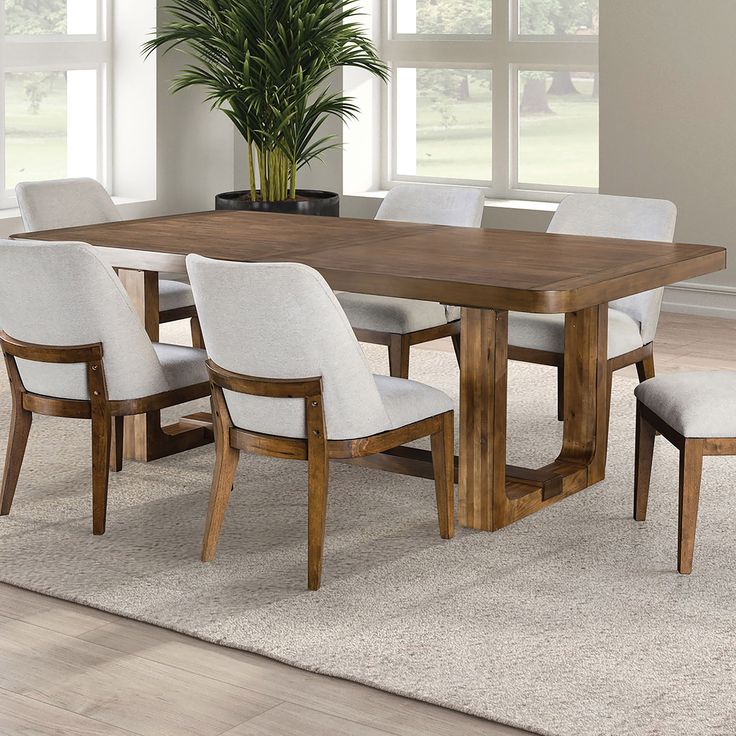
571, 622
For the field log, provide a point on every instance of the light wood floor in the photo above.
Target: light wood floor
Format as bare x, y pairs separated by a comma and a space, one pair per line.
66, 669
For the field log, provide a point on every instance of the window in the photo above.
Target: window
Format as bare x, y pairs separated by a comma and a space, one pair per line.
497, 93
53, 82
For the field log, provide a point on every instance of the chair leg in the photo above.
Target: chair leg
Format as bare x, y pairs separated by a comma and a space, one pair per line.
116, 449
226, 465
20, 427
196, 330
645, 435
101, 450
456, 345
443, 462
691, 466
398, 356
645, 368
318, 472
560, 393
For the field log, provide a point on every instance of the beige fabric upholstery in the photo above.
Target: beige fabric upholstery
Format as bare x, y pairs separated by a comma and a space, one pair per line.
409, 401
606, 216
698, 404
547, 332
182, 366
63, 294
424, 203
281, 320
389, 314
48, 205
174, 294
433, 204
629, 218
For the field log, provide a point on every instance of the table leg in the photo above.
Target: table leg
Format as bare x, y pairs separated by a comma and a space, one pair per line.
144, 437
491, 494
585, 434
482, 463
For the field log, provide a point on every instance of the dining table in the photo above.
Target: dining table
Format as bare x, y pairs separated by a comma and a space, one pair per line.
486, 272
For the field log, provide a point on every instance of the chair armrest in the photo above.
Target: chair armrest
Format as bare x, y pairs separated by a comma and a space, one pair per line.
275, 388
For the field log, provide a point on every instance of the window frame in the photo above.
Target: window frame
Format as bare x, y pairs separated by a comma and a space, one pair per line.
61, 53
506, 52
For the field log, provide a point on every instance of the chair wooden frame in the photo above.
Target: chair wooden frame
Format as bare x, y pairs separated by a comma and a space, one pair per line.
642, 358
144, 287
317, 450
190, 313
106, 416
692, 450
399, 345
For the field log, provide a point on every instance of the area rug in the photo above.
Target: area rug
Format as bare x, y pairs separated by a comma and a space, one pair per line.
573, 622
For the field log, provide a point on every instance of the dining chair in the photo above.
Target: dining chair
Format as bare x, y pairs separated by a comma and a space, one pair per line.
695, 412
632, 321
58, 203
75, 347
401, 323
290, 380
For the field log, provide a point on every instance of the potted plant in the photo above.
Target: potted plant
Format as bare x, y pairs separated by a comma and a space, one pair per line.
267, 64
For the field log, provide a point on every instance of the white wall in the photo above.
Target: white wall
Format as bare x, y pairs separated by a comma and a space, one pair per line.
668, 121
194, 146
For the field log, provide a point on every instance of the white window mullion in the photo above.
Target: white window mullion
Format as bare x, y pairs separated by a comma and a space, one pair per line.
501, 130
45, 54
504, 52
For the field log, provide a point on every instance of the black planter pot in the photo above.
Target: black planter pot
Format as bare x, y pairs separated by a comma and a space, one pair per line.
308, 202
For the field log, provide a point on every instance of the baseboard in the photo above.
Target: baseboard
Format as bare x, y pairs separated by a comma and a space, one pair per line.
708, 300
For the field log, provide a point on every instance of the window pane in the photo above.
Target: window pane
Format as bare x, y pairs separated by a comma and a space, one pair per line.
558, 128
558, 17
46, 17
50, 125
459, 17
443, 123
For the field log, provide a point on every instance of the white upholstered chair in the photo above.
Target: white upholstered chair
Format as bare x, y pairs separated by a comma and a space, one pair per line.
401, 323
290, 380
75, 347
632, 321
696, 413
60, 203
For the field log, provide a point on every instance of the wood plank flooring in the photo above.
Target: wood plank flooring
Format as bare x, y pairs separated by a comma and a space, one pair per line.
66, 669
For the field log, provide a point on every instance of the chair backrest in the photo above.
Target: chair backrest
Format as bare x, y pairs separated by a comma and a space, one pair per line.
63, 294
281, 320
629, 218
47, 205
433, 204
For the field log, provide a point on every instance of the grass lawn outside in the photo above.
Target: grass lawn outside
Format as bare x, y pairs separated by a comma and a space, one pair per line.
35, 143
453, 137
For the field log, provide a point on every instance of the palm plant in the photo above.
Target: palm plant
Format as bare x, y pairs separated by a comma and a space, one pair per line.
266, 64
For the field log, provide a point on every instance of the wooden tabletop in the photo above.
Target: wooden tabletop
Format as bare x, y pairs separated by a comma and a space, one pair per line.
502, 269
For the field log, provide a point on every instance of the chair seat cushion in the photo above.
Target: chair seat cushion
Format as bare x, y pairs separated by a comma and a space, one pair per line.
172, 276
696, 404
174, 295
547, 332
410, 401
182, 365
390, 314
404, 402
452, 313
